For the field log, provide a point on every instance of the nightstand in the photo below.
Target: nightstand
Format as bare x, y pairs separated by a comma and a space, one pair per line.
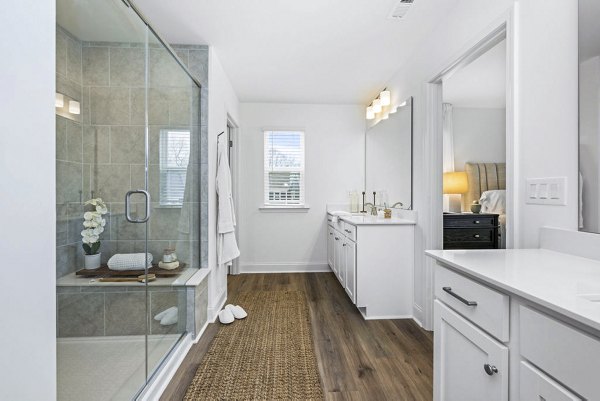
470, 231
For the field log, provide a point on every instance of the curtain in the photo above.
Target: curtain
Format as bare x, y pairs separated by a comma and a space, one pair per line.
448, 138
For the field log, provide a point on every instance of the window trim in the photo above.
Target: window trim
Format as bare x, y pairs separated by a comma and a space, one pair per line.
281, 207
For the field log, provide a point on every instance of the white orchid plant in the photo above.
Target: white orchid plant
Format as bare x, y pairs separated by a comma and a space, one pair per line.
93, 224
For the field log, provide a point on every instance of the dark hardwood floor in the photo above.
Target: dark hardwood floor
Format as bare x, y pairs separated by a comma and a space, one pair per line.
358, 360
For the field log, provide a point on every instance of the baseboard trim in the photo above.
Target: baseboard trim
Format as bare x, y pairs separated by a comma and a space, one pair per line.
159, 383
202, 330
213, 312
292, 267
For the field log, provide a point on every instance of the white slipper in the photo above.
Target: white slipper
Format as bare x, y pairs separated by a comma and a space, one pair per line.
237, 311
164, 313
170, 318
226, 317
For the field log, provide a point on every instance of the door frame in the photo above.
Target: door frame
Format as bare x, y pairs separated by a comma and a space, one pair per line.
233, 134
504, 28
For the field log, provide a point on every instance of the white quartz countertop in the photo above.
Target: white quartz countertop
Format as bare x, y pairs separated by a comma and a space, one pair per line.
374, 220
566, 284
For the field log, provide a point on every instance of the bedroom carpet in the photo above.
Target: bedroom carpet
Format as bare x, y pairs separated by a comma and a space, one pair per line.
267, 356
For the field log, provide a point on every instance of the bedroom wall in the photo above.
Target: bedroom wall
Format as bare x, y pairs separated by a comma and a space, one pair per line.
546, 115
286, 240
479, 135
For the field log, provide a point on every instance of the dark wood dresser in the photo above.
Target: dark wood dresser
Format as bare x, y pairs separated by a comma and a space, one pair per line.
470, 231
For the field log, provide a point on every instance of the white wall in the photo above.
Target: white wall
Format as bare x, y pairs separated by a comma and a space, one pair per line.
545, 105
334, 140
222, 102
27, 198
479, 135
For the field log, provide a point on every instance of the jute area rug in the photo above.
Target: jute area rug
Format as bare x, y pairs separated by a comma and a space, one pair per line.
267, 356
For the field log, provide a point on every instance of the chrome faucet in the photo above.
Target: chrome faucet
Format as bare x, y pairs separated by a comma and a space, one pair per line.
373, 208
396, 204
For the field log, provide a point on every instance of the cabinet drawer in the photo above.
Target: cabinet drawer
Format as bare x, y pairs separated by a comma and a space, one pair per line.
468, 235
535, 385
565, 353
487, 308
350, 231
467, 221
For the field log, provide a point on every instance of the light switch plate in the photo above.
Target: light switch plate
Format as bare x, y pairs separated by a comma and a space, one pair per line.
547, 191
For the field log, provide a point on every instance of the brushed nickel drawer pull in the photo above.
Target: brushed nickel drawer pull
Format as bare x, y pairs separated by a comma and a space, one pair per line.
348, 231
476, 222
461, 299
476, 236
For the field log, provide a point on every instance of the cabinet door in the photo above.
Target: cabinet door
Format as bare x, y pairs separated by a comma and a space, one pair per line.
350, 251
468, 364
337, 238
535, 385
342, 260
330, 246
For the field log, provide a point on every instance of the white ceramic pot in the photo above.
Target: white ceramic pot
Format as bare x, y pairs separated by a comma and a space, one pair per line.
92, 261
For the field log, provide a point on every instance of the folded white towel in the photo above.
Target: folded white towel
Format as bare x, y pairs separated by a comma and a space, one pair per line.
129, 261
338, 213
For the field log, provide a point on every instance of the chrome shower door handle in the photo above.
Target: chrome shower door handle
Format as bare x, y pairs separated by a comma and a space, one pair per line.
128, 206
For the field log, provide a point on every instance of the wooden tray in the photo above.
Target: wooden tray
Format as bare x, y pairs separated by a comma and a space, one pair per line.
104, 271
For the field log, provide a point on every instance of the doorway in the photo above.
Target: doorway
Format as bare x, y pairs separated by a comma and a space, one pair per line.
233, 157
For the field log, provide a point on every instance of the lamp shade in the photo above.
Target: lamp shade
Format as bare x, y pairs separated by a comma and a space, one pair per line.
376, 105
456, 183
370, 113
386, 97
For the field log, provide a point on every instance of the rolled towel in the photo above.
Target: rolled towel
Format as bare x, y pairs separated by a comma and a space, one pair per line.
168, 265
129, 261
337, 213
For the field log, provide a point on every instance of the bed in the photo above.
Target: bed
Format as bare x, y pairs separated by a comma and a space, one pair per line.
486, 177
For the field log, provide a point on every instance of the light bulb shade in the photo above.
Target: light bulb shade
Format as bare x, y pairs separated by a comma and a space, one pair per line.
74, 107
59, 100
370, 113
385, 116
377, 106
456, 183
385, 97
393, 110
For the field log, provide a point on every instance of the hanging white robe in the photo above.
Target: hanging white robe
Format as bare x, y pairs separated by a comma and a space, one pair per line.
227, 248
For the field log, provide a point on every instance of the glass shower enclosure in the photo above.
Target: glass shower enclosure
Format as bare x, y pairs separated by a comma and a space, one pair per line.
127, 132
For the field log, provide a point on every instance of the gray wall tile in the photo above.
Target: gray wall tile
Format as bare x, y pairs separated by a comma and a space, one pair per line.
125, 313
61, 138
61, 53
127, 144
80, 315
74, 138
127, 66
68, 181
112, 181
96, 144
109, 106
74, 60
95, 66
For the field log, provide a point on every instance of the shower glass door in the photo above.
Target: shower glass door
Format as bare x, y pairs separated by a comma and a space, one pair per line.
126, 133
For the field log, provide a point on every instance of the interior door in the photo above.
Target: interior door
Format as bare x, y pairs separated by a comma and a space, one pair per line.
468, 364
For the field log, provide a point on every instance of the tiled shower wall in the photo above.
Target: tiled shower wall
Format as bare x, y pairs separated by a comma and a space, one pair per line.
104, 156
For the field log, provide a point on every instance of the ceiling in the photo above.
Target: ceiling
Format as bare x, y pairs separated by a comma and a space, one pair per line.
309, 51
482, 83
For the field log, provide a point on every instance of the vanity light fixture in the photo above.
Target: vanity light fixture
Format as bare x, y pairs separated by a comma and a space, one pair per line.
377, 105
59, 100
385, 116
393, 110
385, 97
370, 113
74, 107
402, 104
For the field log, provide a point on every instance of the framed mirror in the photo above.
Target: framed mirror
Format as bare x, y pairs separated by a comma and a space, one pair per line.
388, 158
589, 116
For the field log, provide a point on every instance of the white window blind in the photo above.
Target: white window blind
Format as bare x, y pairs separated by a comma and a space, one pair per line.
173, 159
284, 168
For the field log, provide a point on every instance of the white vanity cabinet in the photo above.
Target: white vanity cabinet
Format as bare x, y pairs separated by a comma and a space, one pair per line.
502, 339
373, 260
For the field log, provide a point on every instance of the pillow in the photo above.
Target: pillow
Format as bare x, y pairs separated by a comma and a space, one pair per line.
493, 202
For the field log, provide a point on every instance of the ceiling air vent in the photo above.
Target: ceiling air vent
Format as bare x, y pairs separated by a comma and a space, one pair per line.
400, 9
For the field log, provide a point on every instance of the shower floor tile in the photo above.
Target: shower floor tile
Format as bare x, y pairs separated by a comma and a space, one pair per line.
107, 368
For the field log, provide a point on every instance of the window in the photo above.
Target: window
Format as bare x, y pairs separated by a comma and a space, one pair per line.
174, 157
284, 168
